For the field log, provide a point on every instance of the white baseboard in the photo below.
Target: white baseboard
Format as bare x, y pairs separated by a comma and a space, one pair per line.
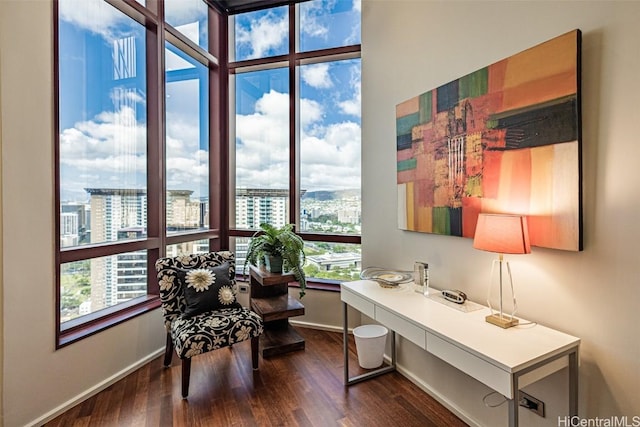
94, 390
123, 373
132, 368
405, 373
433, 393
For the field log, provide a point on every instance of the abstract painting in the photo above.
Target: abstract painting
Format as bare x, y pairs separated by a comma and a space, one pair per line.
503, 139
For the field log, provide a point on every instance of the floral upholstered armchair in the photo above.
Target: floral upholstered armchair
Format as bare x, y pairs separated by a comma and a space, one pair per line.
200, 310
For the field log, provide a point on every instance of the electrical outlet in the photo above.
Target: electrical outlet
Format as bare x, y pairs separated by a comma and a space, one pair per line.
531, 403
243, 289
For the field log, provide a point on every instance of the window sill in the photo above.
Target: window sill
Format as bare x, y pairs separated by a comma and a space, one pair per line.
317, 285
77, 329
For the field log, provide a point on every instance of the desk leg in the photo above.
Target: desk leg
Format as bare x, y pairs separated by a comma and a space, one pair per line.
393, 349
367, 375
513, 403
345, 342
573, 383
513, 412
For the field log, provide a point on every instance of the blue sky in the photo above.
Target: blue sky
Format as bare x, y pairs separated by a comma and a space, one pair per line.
103, 120
330, 100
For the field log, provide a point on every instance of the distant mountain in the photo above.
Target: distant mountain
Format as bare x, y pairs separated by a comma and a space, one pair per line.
330, 195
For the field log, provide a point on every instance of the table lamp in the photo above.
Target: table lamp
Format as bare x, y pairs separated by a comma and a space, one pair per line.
503, 234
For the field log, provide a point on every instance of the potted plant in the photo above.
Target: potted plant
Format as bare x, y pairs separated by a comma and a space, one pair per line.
279, 249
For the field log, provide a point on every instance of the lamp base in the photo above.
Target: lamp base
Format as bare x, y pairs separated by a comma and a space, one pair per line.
504, 321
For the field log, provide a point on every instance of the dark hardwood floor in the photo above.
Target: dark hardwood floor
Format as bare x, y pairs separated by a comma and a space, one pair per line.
302, 388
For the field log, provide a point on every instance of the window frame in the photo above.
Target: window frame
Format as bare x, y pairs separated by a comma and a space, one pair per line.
293, 59
155, 243
157, 32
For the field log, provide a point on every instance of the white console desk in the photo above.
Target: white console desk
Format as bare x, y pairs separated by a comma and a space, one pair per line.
503, 359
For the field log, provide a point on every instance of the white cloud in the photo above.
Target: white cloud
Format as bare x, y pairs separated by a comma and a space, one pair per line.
180, 12
96, 16
330, 156
318, 21
354, 36
110, 150
339, 146
113, 164
107, 135
310, 112
353, 106
189, 169
182, 135
309, 22
274, 104
332, 162
262, 156
263, 34
317, 75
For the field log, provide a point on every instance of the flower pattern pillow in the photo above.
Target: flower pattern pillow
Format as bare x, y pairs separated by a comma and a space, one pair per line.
207, 289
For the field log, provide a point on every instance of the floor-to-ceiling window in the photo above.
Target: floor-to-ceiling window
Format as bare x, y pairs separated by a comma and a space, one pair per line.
134, 152
295, 130
142, 164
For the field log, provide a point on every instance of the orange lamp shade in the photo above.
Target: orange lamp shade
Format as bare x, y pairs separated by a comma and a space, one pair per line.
504, 234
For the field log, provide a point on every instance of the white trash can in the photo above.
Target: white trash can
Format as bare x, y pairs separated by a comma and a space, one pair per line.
370, 344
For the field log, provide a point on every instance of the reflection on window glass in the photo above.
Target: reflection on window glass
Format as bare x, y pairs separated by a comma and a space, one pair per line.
190, 18
187, 142
330, 147
262, 148
332, 261
102, 124
328, 23
188, 248
261, 34
94, 284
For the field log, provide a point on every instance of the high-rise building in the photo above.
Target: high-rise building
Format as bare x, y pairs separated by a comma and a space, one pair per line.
75, 223
116, 214
183, 213
121, 214
69, 229
255, 206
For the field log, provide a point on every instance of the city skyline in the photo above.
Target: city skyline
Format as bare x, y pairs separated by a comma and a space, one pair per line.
119, 214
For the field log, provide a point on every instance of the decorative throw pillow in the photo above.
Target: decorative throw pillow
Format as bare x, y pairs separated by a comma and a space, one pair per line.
207, 289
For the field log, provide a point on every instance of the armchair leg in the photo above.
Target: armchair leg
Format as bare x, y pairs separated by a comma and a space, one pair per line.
168, 351
255, 342
186, 372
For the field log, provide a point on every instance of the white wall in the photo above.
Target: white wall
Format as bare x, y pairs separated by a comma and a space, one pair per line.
37, 378
409, 47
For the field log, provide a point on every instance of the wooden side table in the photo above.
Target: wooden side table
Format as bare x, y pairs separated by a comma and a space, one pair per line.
269, 297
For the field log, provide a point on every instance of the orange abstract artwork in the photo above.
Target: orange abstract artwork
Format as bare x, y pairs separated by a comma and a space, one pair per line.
503, 139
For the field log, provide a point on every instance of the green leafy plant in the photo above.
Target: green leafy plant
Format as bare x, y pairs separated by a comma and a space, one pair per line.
281, 242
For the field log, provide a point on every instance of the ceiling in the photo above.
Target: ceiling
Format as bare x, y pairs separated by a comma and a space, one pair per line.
236, 6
